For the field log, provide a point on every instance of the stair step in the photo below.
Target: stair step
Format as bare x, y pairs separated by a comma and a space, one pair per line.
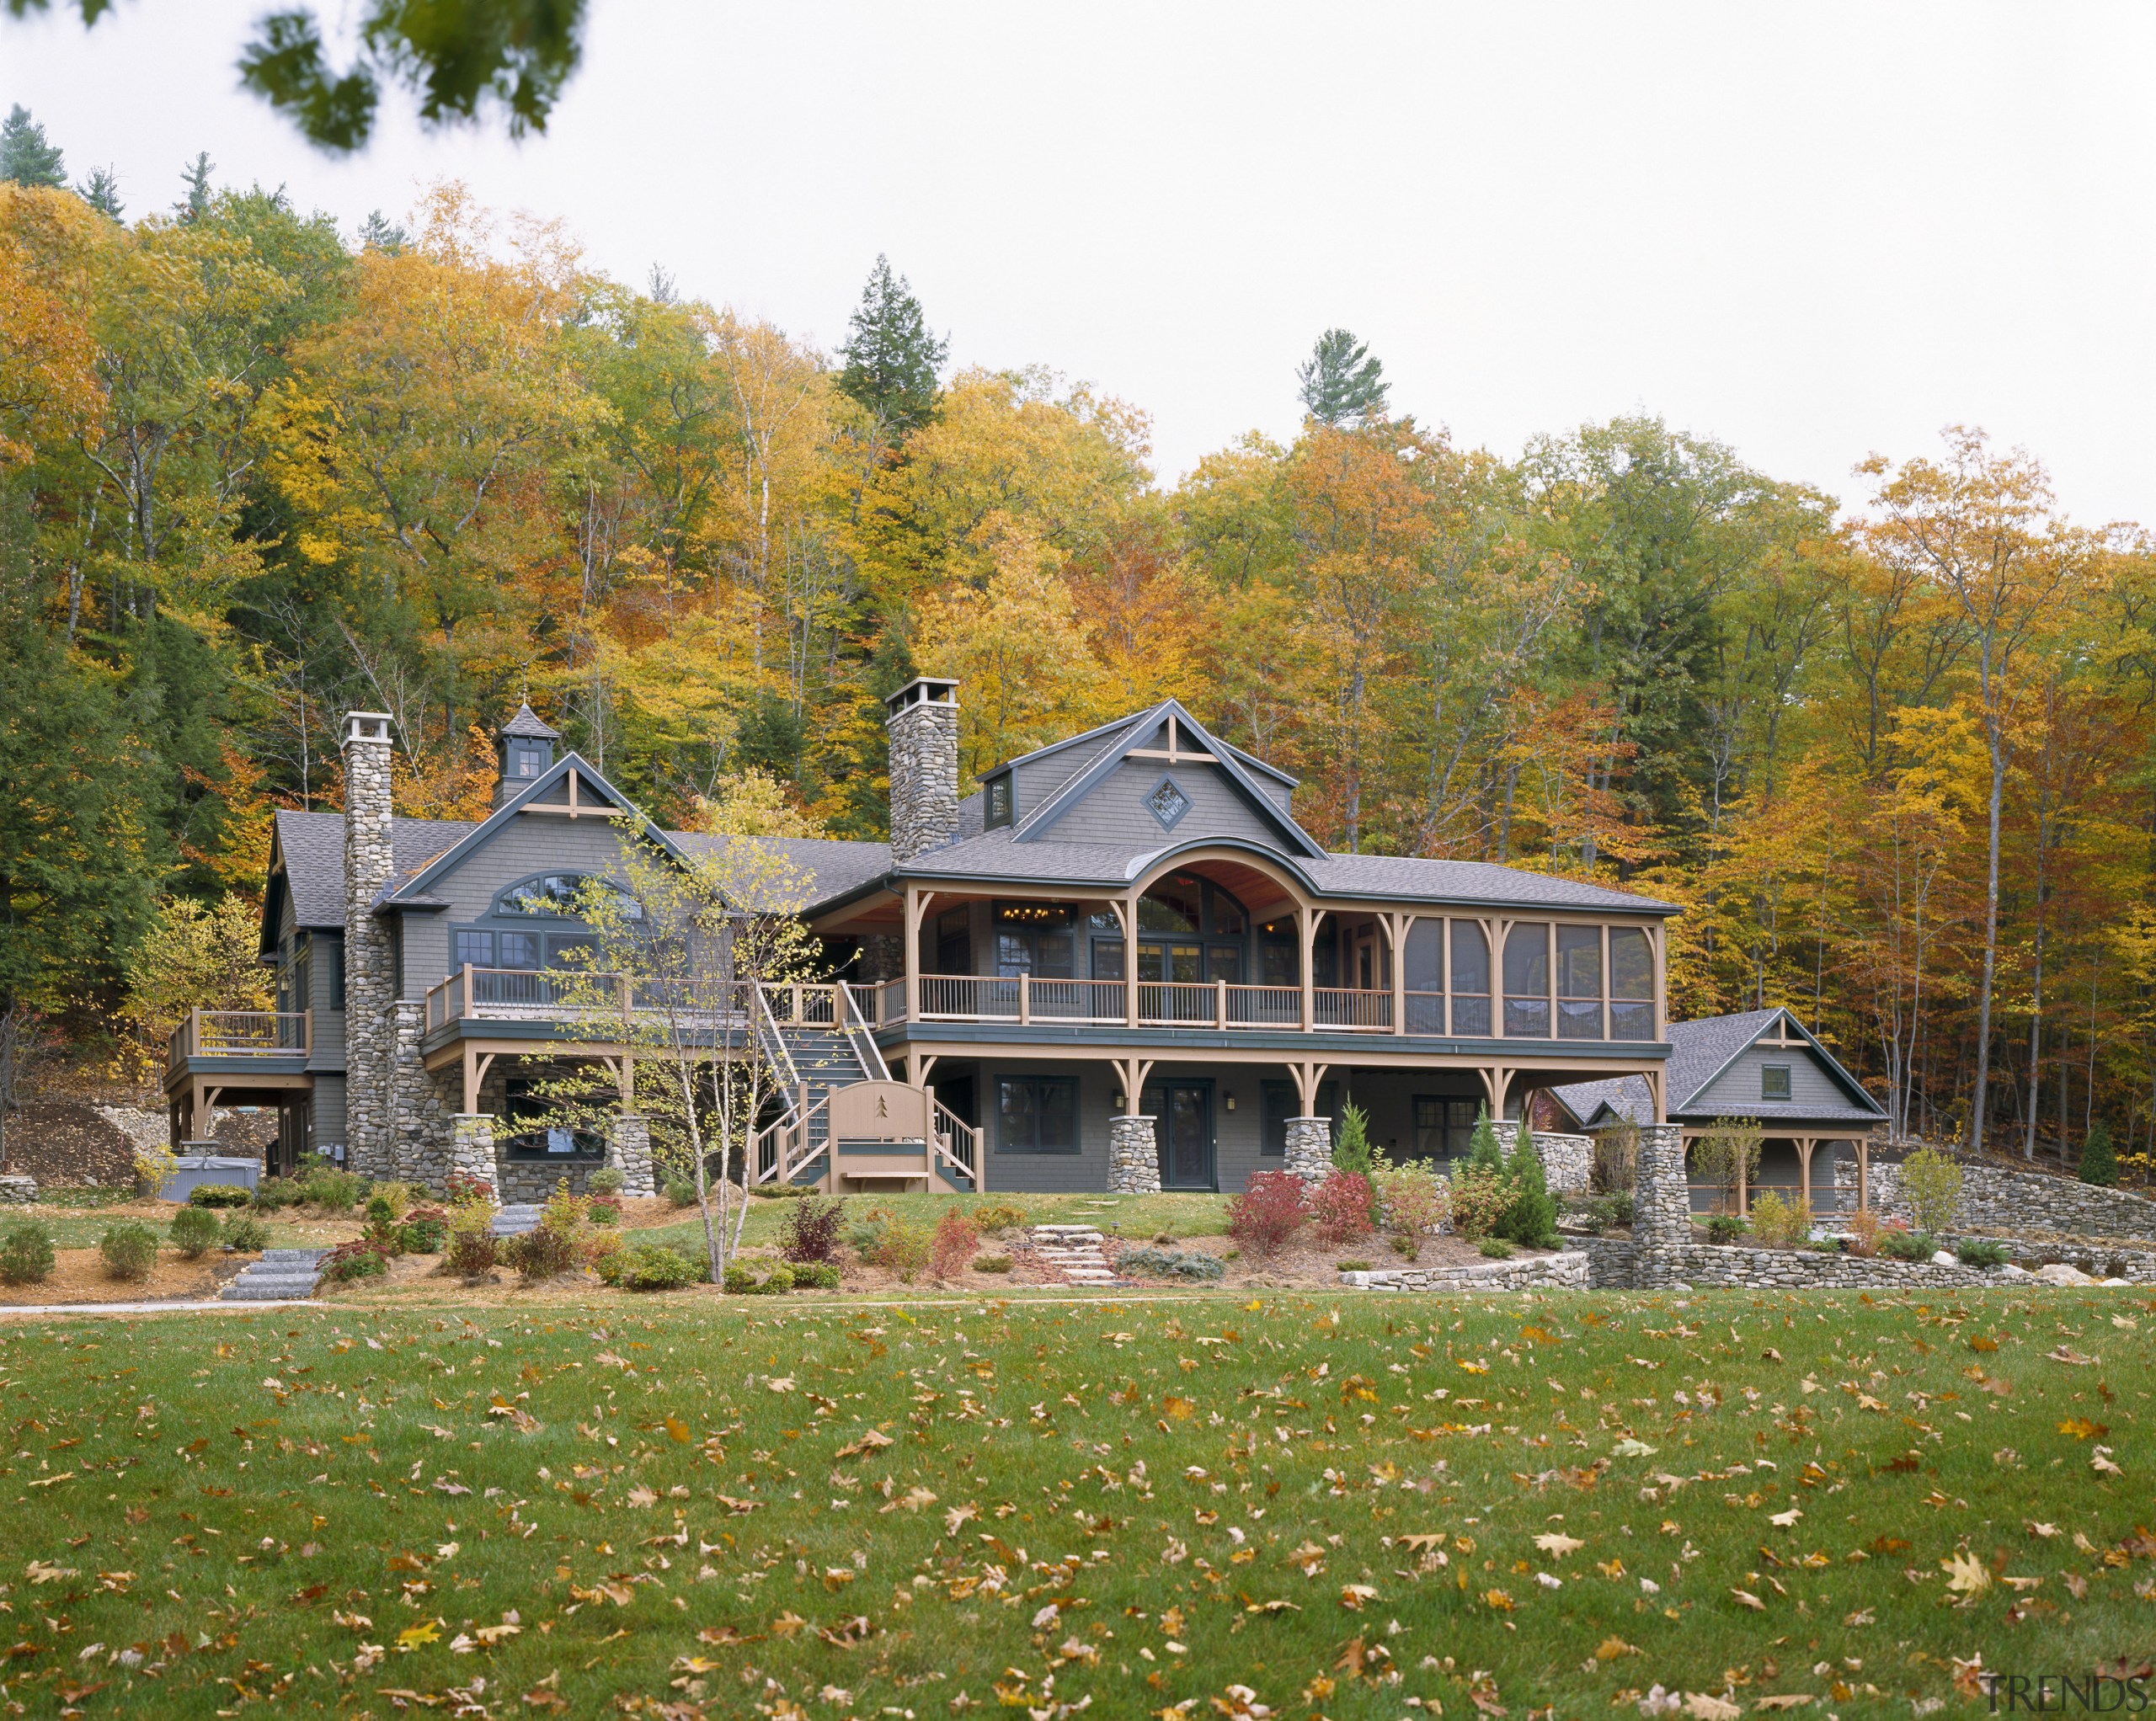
257, 1291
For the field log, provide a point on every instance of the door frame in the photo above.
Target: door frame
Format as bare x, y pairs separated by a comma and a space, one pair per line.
1207, 1086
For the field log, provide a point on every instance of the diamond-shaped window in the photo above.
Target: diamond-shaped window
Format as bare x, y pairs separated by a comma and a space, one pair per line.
1167, 802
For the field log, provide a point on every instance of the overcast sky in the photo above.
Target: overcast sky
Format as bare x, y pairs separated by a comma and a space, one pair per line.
1809, 230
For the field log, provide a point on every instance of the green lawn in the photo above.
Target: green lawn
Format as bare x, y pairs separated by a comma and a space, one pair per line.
1339, 1503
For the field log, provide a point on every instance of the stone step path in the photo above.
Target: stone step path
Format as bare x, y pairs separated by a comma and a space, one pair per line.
516, 1218
281, 1274
1078, 1252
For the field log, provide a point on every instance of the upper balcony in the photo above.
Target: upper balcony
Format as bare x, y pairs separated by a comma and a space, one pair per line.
240, 1041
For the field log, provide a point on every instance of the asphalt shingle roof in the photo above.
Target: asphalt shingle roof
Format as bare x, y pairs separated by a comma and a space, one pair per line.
1698, 1052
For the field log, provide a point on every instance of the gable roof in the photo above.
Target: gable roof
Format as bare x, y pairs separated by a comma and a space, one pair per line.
1699, 1051
1117, 742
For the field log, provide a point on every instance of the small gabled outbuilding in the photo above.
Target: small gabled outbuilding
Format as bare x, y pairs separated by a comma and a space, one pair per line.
1762, 1065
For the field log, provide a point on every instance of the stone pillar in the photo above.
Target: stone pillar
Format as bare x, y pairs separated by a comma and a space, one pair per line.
1134, 1158
1662, 1207
628, 1151
369, 1030
420, 1130
1567, 1160
883, 958
1309, 1152
924, 735
472, 1147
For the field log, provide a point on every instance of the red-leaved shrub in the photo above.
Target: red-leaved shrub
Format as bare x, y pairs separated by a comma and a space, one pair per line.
953, 1246
1341, 1207
1265, 1215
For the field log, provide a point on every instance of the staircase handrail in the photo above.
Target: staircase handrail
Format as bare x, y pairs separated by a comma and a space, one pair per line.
774, 1044
855, 1027
946, 1126
792, 1128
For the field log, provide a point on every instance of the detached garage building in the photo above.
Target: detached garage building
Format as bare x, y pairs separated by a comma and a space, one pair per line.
1765, 1066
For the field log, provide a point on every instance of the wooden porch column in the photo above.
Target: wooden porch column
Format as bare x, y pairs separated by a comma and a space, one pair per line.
1496, 1079
1132, 1073
1743, 1193
1397, 927
1805, 1144
917, 901
471, 1067
1306, 922
1864, 1174
205, 1103
1308, 1077
1126, 914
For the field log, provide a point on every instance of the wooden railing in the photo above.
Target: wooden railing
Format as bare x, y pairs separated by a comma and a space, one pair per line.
567, 995
241, 1033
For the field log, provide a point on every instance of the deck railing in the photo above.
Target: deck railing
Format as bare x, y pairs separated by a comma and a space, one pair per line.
241, 1033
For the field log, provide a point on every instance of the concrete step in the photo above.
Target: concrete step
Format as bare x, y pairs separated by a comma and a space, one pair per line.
254, 1291
515, 1219
270, 1257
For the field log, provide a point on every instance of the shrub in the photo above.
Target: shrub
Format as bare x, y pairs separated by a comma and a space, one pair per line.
1864, 1233
779, 1281
219, 1194
26, 1255
992, 1263
194, 1232
130, 1249
552, 1246
953, 1245
1782, 1223
1351, 1147
1172, 1263
1724, 1228
1531, 1218
653, 1266
737, 1280
424, 1231
1932, 1182
682, 1192
473, 1248
1905, 1245
820, 1275
608, 1179
1981, 1252
273, 1193
1733, 1143
1479, 1198
2099, 1163
335, 1191
1411, 1205
1003, 1216
783, 1191
1265, 1215
883, 1239
1496, 1248
245, 1234
381, 1211
809, 1232
603, 1253
349, 1262
464, 1189
1340, 1207
1616, 1159
603, 1210
1352, 1267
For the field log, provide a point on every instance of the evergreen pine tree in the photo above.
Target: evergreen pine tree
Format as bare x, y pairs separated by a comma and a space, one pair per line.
196, 178
891, 358
1532, 1218
1341, 381
1351, 1148
2100, 1162
1483, 1152
377, 232
101, 191
25, 157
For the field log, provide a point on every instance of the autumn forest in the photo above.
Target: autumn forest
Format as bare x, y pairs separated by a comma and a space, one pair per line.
1895, 762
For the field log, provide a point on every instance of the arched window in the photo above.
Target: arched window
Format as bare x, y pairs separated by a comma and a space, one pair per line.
556, 894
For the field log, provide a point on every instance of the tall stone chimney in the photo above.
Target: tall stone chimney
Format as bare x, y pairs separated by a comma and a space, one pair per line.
369, 968
924, 726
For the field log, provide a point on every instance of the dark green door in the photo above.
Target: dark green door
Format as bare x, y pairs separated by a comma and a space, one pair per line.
1186, 1127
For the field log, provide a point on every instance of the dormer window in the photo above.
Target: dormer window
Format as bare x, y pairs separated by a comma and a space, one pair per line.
998, 802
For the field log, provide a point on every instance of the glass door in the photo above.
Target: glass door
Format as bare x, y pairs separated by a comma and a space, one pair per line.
1184, 1111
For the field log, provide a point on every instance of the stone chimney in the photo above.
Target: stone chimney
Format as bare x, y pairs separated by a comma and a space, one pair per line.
369, 968
525, 747
924, 726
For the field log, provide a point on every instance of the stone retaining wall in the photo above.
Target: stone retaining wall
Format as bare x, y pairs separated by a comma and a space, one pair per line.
1567, 1160
2013, 1201
1567, 1269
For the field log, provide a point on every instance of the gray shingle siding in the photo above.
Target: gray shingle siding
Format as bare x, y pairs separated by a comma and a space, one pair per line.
328, 1111
1115, 812
1736, 1093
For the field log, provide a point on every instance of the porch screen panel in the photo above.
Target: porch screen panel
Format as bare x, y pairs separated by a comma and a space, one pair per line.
1527, 980
1631, 984
1579, 982
1423, 968
1471, 978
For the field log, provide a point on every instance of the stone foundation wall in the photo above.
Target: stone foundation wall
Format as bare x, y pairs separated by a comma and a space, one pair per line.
521, 1182
1309, 1150
1568, 1269
2013, 1201
423, 1135
1662, 1206
1567, 1161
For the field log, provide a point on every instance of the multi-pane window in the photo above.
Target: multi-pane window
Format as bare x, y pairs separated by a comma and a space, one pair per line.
1773, 1081
1444, 1129
1037, 1115
1034, 938
1277, 965
996, 803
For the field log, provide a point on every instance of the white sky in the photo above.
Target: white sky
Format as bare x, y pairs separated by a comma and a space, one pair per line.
1811, 231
